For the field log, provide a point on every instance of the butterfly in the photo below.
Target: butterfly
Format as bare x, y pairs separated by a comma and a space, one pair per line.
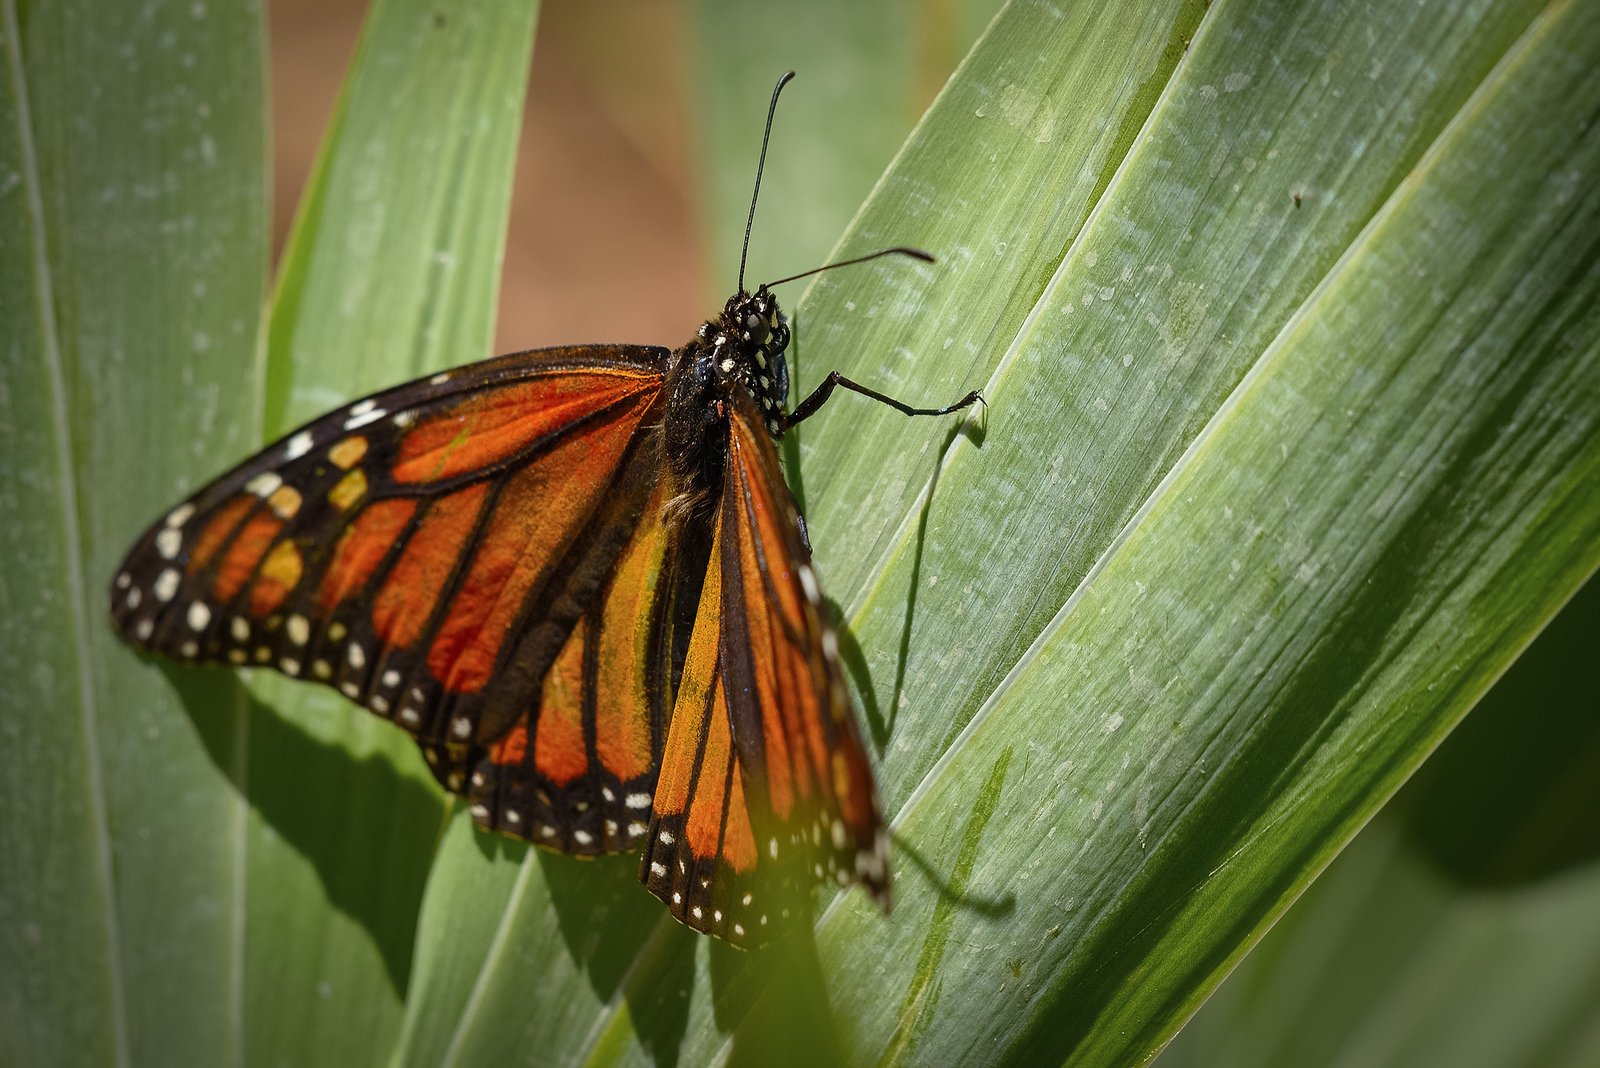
577, 577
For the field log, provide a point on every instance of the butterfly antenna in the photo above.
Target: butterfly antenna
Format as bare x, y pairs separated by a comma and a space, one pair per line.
765, 137
914, 253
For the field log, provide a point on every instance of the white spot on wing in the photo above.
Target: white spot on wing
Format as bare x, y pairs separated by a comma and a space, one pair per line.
180, 515
808, 579
298, 629
638, 801
168, 542
298, 446
166, 585
355, 422
199, 615
264, 484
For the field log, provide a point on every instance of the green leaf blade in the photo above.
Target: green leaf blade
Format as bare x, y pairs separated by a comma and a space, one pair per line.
1287, 628
1190, 266
1462, 926
391, 271
59, 993
148, 220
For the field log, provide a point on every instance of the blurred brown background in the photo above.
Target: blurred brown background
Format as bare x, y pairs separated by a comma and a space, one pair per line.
605, 239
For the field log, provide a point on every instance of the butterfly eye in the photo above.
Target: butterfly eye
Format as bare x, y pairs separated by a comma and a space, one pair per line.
756, 327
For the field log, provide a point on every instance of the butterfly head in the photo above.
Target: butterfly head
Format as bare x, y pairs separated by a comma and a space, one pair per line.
746, 344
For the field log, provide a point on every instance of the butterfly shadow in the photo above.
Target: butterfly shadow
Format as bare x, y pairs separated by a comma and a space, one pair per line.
959, 897
773, 1003
879, 722
602, 911
367, 829
613, 932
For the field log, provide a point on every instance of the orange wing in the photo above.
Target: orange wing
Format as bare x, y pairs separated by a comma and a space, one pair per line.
450, 553
765, 785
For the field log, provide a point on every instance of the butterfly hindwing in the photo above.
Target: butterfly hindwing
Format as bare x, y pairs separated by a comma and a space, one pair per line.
577, 771
765, 785
406, 548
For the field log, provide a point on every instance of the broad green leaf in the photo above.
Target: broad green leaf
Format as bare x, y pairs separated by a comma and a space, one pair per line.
133, 214
1237, 541
1462, 927
391, 271
57, 928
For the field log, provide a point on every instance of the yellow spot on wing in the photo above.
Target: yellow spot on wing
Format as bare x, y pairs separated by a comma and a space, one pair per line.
285, 501
348, 452
350, 489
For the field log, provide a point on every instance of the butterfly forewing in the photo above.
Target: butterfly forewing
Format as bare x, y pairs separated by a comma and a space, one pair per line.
399, 548
765, 785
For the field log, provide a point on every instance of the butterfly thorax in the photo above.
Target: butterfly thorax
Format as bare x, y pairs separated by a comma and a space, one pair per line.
741, 349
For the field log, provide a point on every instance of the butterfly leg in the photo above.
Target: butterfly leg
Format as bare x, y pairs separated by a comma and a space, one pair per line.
820, 395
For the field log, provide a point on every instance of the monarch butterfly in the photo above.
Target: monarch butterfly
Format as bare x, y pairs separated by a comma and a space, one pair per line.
577, 578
